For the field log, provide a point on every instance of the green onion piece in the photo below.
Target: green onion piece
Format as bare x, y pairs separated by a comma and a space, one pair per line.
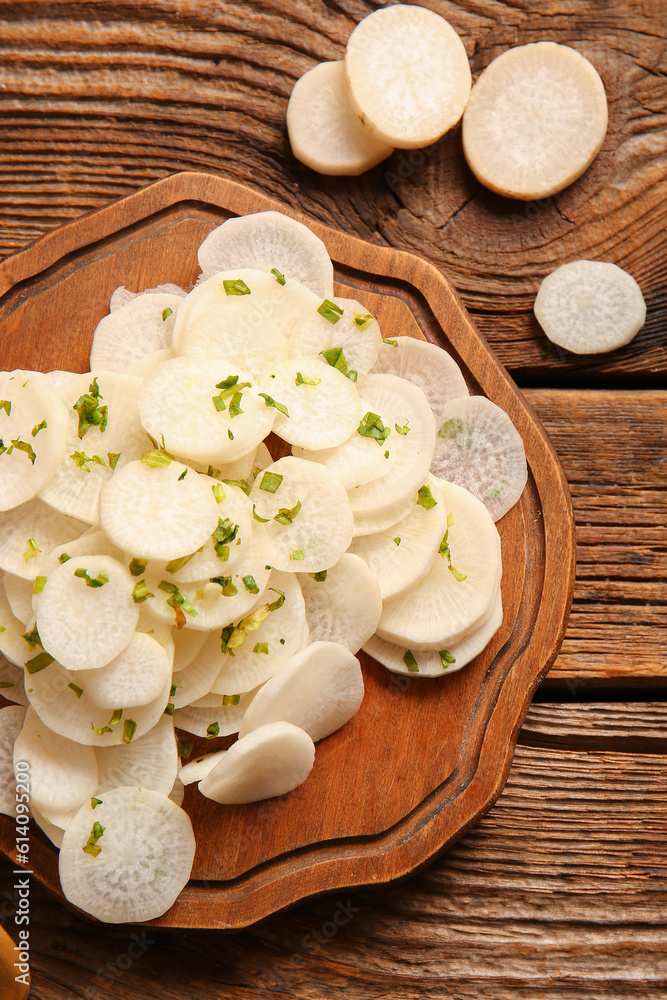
213, 473
397, 540
176, 564
234, 636
169, 710
425, 499
98, 460
446, 658
450, 520
229, 433
270, 401
38, 427
371, 426
410, 662
219, 403
446, 554
241, 483
138, 566
166, 313
6, 405
262, 520
113, 457
451, 428
330, 311
98, 581
141, 592
386, 454
455, 573
223, 536
225, 582
319, 577
250, 585
177, 600
94, 803
270, 482
362, 320
335, 357
235, 286
306, 380
32, 638
92, 847
231, 699
32, 550
218, 492
404, 429
158, 458
81, 460
113, 721
286, 515
91, 414
27, 448
261, 647
392, 343
3, 448
40, 583
213, 731
39, 662
297, 554
63, 558
182, 475
76, 689
280, 278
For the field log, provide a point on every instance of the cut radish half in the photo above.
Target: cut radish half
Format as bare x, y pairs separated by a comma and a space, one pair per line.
11, 724
149, 762
134, 677
432, 369
345, 606
139, 327
29, 532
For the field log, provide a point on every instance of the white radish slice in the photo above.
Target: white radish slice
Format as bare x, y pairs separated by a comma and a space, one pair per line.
536, 118
430, 367
199, 768
322, 415
33, 435
247, 466
89, 461
590, 307
187, 645
28, 534
141, 326
408, 74
143, 366
267, 240
11, 681
121, 296
158, 512
424, 663
85, 621
147, 848
315, 520
92, 543
355, 331
11, 724
12, 643
134, 677
479, 447
148, 762
51, 830
401, 555
272, 760
371, 524
162, 632
177, 793
214, 722
323, 128
186, 400
59, 377
460, 585
344, 607
319, 690
19, 596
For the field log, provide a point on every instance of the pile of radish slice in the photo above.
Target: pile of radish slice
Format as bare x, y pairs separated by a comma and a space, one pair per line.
161, 569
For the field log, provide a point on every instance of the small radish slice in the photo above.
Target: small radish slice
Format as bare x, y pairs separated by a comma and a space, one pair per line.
146, 850
590, 307
535, 121
122, 296
354, 332
318, 690
372, 524
323, 128
20, 596
12, 643
141, 326
267, 240
408, 74
143, 366
345, 606
432, 369
29, 532
479, 447
149, 762
11, 724
134, 677
213, 722
272, 760
199, 768
53, 832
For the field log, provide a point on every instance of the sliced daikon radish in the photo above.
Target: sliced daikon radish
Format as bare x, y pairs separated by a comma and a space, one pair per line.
349, 328
162, 632
89, 460
424, 663
134, 677
86, 612
158, 511
12, 628
197, 769
33, 435
408, 75
372, 524
323, 128
143, 366
128, 858
479, 448
29, 532
19, 594
177, 793
460, 586
247, 466
319, 406
121, 296
268, 240
59, 377
11, 681
428, 366
402, 554
214, 722
309, 518
53, 832
187, 644
272, 760
343, 605
590, 306
140, 327
148, 762
91, 543
11, 724
536, 118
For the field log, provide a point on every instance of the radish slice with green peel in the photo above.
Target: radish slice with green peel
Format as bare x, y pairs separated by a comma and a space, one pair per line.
19, 594
427, 366
51, 830
148, 762
144, 366
134, 677
11, 724
127, 859
267, 240
408, 74
479, 447
213, 722
140, 327
122, 296
371, 525
349, 328
272, 760
343, 604
28, 534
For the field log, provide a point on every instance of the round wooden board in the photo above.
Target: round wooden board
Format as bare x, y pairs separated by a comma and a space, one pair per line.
422, 759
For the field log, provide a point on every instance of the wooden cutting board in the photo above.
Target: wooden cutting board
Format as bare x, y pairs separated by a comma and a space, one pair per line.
422, 759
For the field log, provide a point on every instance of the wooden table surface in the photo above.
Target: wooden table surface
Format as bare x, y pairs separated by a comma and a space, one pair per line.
560, 891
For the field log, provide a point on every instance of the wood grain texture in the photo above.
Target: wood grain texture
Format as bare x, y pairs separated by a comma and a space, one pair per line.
99, 99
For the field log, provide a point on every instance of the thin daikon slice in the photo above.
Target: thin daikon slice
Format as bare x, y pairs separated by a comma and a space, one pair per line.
408, 74
187, 644
91, 543
141, 326
19, 595
590, 306
214, 722
11, 724
372, 524
272, 760
29, 532
144, 366
146, 850
428, 366
535, 121
134, 677
350, 327
59, 377
345, 606
121, 296
162, 632
148, 762
12, 628
51, 830
11, 681
267, 240
479, 447
199, 768
315, 522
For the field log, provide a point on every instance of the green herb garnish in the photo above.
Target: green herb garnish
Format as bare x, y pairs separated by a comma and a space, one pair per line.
25, 447
270, 482
446, 658
425, 498
40, 583
262, 520
261, 647
113, 457
280, 278
306, 380
91, 414
97, 581
330, 311
225, 583
138, 566
297, 554
371, 426
39, 662
404, 429
222, 538
94, 803
92, 847
176, 564
235, 286
113, 721
446, 554
392, 343
270, 401
362, 320
212, 731
141, 592
335, 357
166, 313
286, 515
5, 404
76, 689
38, 427
158, 458
32, 550
231, 699
397, 540
319, 577
410, 662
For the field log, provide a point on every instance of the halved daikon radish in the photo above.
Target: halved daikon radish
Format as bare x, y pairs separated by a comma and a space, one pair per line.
372, 524
349, 327
323, 128
319, 690
408, 74
121, 296
319, 406
460, 585
11, 681
143, 366
272, 760
33, 435
536, 118
309, 520
214, 722
51, 830
29, 532
19, 593
148, 762
479, 447
86, 613
402, 554
11, 724
158, 511
590, 306
141, 326
128, 858
134, 677
428, 366
345, 606
12, 628
267, 240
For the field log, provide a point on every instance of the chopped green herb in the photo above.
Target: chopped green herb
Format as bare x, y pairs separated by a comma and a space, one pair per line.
297, 554
113, 457
178, 602
425, 498
169, 710
282, 642
225, 582
229, 434
3, 447
218, 492
6, 405
410, 662
319, 577
233, 636
113, 721
94, 803
235, 286
404, 429
306, 380
386, 454
286, 515
451, 428
76, 689
362, 320
23, 446
40, 583
330, 311
240, 483
270, 482
39, 662
91, 414
81, 460
166, 313
231, 699
230, 386
138, 566
371, 426
98, 460
223, 536
32, 550
270, 401
280, 278
450, 519
335, 357
32, 638
38, 427
5, 684
446, 554
397, 540
262, 520
392, 343
183, 475
261, 647
92, 847
158, 458
446, 658
213, 473
213, 731
250, 584
63, 558
141, 592
98, 581
176, 564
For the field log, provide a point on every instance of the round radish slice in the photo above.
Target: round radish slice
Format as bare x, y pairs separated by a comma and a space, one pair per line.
11, 724
158, 511
199, 768
127, 859
20, 596
213, 722
347, 337
134, 677
536, 118
144, 366
371, 524
28, 534
590, 306
12, 629
479, 447
162, 632
268, 240
149, 762
121, 296
343, 604
33, 435
432, 369
187, 644
270, 761
140, 327
408, 74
